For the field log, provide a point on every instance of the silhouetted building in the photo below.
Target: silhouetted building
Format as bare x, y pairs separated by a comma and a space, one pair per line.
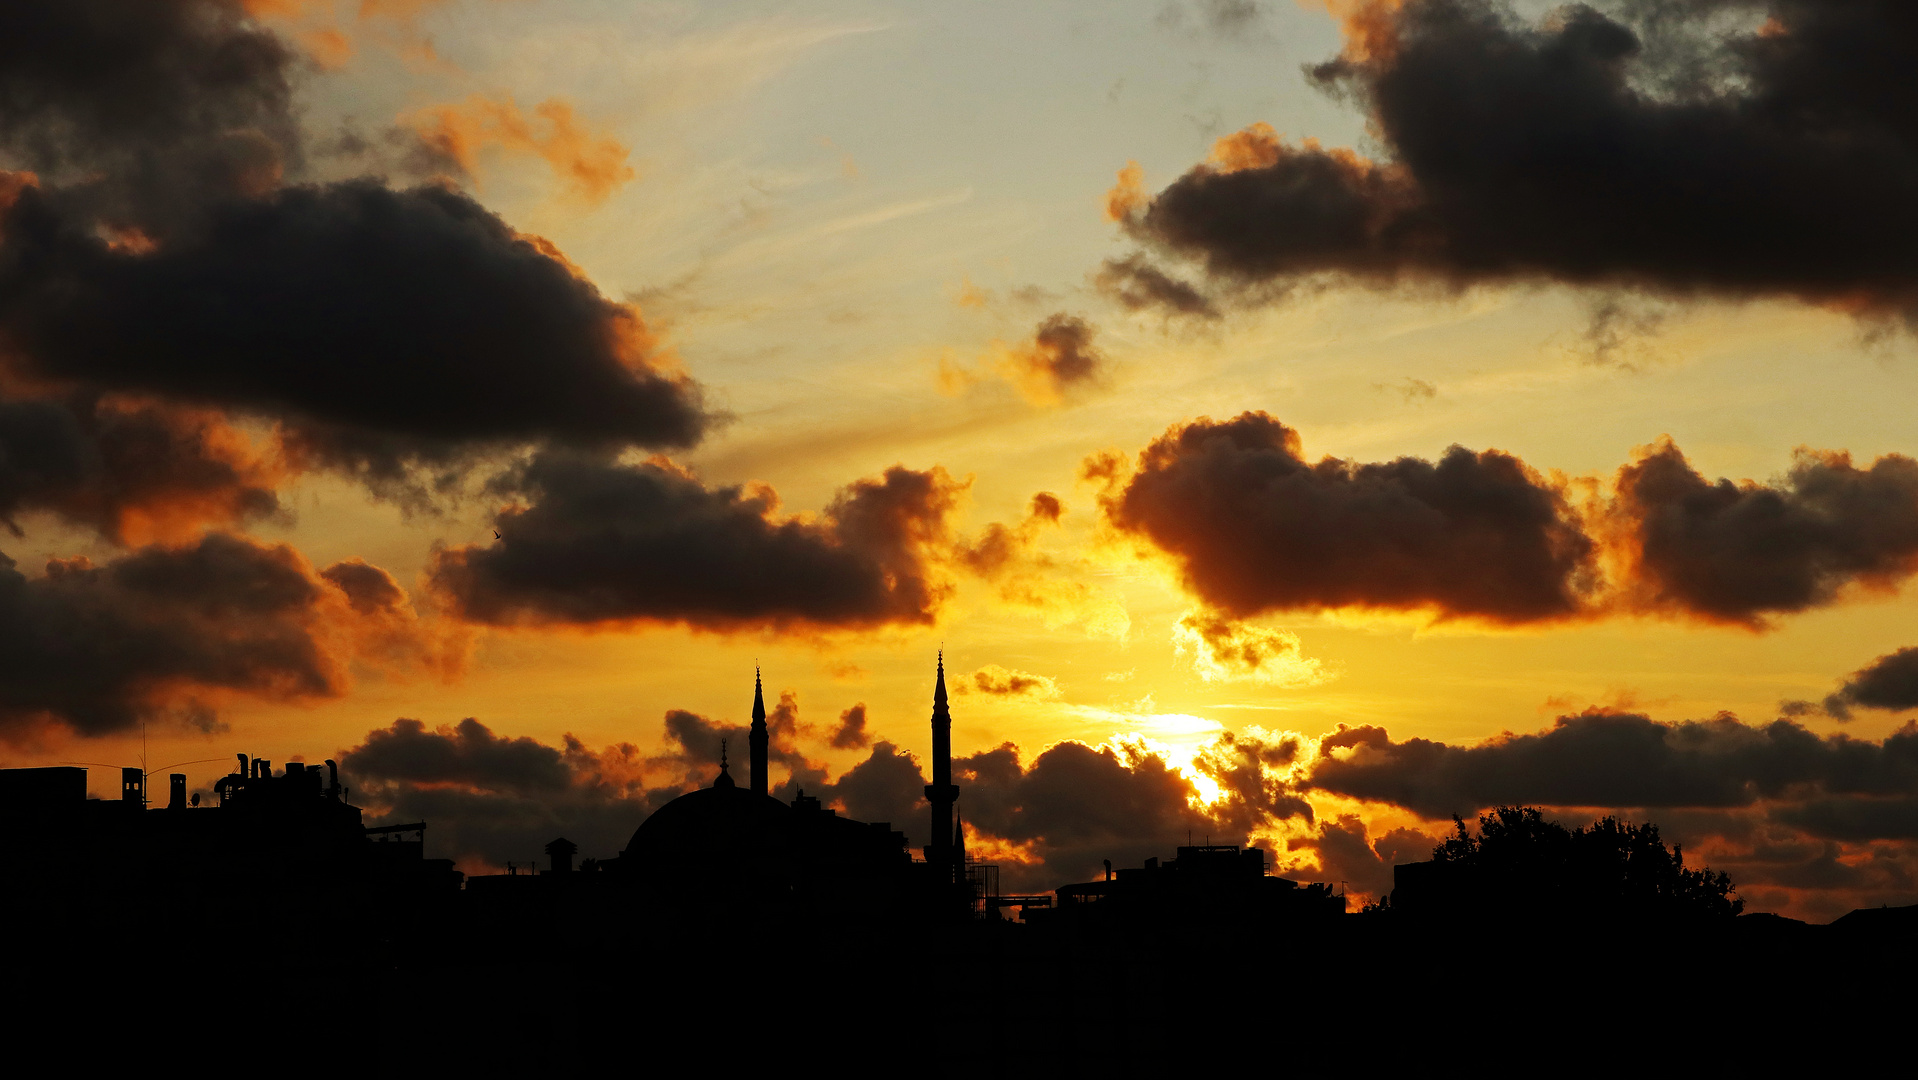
1202, 884
265, 835
561, 852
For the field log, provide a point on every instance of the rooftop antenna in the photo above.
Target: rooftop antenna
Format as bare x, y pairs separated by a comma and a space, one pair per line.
722, 754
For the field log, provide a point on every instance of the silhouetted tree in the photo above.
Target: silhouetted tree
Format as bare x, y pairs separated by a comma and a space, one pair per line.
1607, 867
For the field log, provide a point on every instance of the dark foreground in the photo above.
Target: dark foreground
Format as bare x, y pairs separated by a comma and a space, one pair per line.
440, 984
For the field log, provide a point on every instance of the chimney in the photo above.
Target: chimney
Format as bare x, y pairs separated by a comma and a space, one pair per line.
176, 791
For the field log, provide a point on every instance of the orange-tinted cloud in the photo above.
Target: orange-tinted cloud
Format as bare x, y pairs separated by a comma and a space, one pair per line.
11, 185
1255, 147
1221, 649
1127, 196
329, 47
1370, 26
968, 295
1026, 577
98, 649
1741, 552
1059, 363
330, 31
136, 471
1253, 527
589, 167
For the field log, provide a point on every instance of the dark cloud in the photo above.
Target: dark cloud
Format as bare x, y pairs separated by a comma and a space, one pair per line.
468, 753
1056, 365
887, 786
1254, 527
1138, 285
145, 107
98, 649
1610, 759
1046, 507
599, 542
490, 800
1669, 149
1063, 353
355, 313
1738, 552
1220, 648
1003, 682
1348, 855
1222, 18
1889, 682
134, 471
851, 732
1854, 818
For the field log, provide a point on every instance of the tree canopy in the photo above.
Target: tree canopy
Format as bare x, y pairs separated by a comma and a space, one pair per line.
1608, 866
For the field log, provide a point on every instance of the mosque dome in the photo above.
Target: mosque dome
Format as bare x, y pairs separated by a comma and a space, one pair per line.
734, 848
723, 829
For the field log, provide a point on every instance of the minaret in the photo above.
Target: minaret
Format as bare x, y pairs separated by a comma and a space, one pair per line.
941, 792
758, 737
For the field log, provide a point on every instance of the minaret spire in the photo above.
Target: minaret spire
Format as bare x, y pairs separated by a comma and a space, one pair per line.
758, 737
941, 793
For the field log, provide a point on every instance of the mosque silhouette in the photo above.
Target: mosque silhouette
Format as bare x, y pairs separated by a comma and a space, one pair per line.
748, 849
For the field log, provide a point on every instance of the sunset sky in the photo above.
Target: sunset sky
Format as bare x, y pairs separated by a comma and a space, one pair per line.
1297, 422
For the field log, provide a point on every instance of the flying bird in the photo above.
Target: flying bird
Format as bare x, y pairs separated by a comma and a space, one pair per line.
496, 535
